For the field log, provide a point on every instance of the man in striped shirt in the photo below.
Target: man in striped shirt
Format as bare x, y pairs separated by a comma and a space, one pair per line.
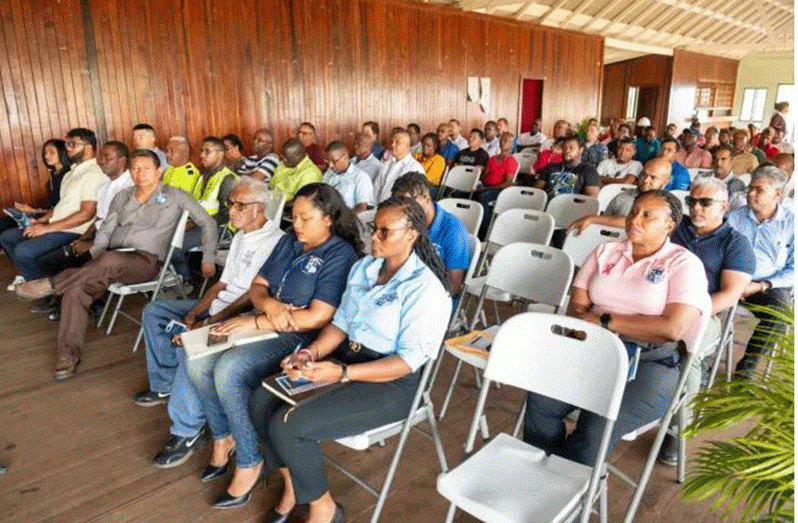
262, 164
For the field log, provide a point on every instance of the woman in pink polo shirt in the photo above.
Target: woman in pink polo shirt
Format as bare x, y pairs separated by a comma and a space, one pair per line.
650, 292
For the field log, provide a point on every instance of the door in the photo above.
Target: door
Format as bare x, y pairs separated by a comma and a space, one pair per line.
647, 102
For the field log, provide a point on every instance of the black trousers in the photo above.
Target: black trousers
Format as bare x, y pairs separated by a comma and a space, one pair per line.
290, 436
768, 324
56, 261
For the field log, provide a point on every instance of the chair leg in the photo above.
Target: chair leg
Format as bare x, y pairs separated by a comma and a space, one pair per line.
682, 461
719, 354
138, 339
105, 310
477, 379
603, 500
520, 422
438, 363
202, 288
436, 437
116, 313
450, 514
448, 397
730, 358
483, 427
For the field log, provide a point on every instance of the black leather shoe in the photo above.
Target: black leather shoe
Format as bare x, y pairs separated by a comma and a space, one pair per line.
211, 472
338, 516
275, 517
225, 500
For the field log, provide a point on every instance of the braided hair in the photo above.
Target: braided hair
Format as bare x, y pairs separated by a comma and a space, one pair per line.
329, 201
674, 204
423, 247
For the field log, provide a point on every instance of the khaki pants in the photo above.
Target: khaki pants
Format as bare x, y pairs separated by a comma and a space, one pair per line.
79, 288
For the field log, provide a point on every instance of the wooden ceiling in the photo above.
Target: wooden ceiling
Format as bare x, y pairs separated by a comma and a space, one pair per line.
730, 28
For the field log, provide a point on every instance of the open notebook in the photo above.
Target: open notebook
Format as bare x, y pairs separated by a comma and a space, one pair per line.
294, 391
200, 342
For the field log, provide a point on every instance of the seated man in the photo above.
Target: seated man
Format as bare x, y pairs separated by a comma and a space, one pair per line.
571, 176
295, 171
144, 138
141, 218
680, 178
306, 132
503, 126
262, 164
647, 145
533, 136
561, 129
743, 161
458, 139
474, 155
621, 168
227, 298
445, 231
770, 229
691, 155
722, 163
400, 162
655, 176
491, 143
499, 174
354, 185
448, 149
372, 132
364, 159
71, 216
623, 131
181, 172
728, 262
595, 151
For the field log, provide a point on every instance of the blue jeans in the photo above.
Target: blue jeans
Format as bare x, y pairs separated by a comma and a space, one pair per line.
645, 399
26, 252
166, 366
486, 198
225, 381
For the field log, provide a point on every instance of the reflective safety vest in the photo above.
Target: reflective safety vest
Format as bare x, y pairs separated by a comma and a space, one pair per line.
208, 196
185, 177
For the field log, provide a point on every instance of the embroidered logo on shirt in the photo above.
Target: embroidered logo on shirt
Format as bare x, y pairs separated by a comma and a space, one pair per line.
608, 268
312, 265
388, 297
655, 275
160, 198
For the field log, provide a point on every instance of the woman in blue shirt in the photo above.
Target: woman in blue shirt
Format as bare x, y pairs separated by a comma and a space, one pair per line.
391, 322
295, 293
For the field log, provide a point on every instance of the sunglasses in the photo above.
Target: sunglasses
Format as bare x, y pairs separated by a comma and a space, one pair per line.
383, 232
704, 202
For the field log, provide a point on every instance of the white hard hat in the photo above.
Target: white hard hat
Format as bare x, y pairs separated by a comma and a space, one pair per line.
643, 122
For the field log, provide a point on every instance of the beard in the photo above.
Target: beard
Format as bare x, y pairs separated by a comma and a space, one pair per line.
75, 158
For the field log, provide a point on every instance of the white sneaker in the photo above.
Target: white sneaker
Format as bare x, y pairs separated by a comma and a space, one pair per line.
18, 279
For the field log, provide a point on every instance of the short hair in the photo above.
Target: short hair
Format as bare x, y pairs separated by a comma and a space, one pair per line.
258, 189
650, 128
502, 119
337, 145
144, 127
361, 138
669, 139
374, 126
710, 181
479, 132
146, 153
436, 142
413, 184
727, 148
400, 131
673, 202
627, 140
308, 124
777, 177
87, 135
179, 138
574, 138
235, 140
215, 141
490, 123
121, 149
711, 129
559, 142
455, 120
627, 126
415, 127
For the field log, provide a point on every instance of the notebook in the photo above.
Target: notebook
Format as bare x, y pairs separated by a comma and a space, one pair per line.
22, 219
294, 391
475, 342
200, 342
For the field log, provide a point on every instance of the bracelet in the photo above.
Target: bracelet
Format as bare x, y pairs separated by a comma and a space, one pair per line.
256, 322
309, 353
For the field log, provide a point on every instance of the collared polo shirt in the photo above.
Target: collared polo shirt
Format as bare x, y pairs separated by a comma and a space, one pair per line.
724, 249
433, 166
448, 150
391, 170
407, 316
288, 180
460, 142
298, 277
773, 242
264, 166
354, 185
646, 150
81, 183
450, 239
615, 169
680, 178
492, 147
370, 165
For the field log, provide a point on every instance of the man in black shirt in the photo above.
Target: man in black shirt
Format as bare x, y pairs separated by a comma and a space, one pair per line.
474, 155
571, 176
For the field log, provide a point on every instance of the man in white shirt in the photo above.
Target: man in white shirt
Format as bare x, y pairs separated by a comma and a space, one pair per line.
251, 247
355, 186
113, 162
622, 169
491, 144
533, 137
400, 162
456, 137
364, 158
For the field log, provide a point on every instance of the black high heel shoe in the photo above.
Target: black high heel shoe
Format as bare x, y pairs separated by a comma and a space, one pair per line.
225, 500
275, 517
212, 472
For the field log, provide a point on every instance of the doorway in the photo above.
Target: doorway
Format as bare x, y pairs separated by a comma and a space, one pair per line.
647, 102
531, 103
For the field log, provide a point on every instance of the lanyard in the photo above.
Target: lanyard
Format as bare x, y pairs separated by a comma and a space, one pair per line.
291, 267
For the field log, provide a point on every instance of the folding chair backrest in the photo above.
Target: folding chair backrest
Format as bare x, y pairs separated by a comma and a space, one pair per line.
468, 212
533, 272
462, 178
562, 358
745, 177
695, 172
274, 210
522, 225
580, 246
180, 231
365, 218
520, 198
567, 208
682, 195
474, 250
526, 159
608, 192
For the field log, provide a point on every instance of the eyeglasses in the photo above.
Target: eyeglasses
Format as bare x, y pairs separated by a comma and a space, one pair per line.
238, 206
383, 232
704, 202
211, 151
71, 144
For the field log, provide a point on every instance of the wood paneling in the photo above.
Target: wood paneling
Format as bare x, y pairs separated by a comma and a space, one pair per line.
688, 70
646, 71
212, 67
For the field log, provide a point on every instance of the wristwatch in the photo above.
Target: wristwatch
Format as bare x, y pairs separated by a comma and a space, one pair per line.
605, 320
345, 373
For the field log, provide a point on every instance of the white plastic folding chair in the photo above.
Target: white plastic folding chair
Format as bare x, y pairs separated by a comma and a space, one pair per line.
276, 204
515, 197
526, 159
522, 271
745, 177
610, 191
167, 277
365, 218
509, 481
461, 178
567, 208
421, 410
677, 408
695, 172
682, 195
580, 246
468, 212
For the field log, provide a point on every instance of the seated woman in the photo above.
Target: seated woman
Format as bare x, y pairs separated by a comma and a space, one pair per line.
295, 293
431, 160
647, 290
391, 323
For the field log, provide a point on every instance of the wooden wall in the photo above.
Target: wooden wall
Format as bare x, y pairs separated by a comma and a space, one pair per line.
646, 71
690, 68
211, 67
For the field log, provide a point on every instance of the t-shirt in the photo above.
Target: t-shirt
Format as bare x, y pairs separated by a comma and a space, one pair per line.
248, 252
563, 179
646, 150
722, 249
595, 153
450, 239
613, 168
299, 277
288, 180
499, 170
370, 165
492, 147
265, 166
680, 178
479, 157
81, 184
448, 150
354, 185
433, 166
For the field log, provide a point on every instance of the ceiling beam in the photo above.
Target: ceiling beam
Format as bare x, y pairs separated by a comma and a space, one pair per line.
708, 26
671, 24
520, 12
579, 10
637, 47
547, 15
713, 14
624, 15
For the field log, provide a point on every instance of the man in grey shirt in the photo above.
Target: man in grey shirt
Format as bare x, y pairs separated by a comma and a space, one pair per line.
140, 222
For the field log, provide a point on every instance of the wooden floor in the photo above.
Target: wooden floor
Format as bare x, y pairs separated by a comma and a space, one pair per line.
80, 450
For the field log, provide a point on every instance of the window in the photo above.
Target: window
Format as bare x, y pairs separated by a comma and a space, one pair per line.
753, 104
631, 103
785, 93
